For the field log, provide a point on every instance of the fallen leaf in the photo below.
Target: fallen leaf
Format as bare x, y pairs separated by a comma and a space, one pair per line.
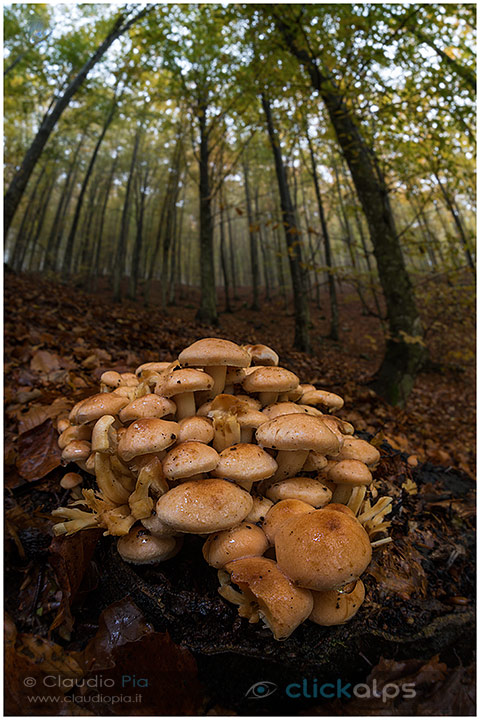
44, 362
38, 451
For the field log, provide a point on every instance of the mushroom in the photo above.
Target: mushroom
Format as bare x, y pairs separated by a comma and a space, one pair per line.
71, 480
147, 435
195, 428
104, 435
331, 607
76, 451
269, 382
74, 432
322, 550
261, 505
356, 449
182, 384
280, 513
94, 407
309, 490
315, 462
153, 367
204, 506
288, 408
294, 436
189, 460
223, 410
267, 594
322, 397
151, 476
139, 547
158, 527
234, 376
346, 475
215, 355
262, 354
149, 405
245, 464
245, 540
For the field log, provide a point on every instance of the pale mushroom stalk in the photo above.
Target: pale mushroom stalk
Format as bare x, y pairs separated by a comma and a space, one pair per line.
356, 499
219, 374
185, 403
75, 520
108, 484
380, 507
267, 398
289, 462
342, 494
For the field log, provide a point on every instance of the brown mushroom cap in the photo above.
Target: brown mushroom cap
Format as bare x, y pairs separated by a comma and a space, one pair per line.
185, 380
282, 605
188, 459
141, 548
322, 397
333, 608
150, 405
280, 513
70, 480
74, 432
245, 540
356, 449
322, 550
315, 462
288, 408
262, 354
245, 462
214, 351
195, 428
350, 472
270, 379
92, 408
309, 490
76, 450
204, 506
149, 367
261, 506
147, 435
297, 432
340, 508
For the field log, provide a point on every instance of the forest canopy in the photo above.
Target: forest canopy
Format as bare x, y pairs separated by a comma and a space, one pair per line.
258, 150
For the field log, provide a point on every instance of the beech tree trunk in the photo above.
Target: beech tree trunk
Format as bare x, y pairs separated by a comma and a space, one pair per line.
293, 239
20, 180
405, 351
458, 223
253, 245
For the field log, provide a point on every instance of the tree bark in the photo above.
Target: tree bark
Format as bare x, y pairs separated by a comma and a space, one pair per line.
20, 242
252, 236
19, 182
292, 237
458, 223
223, 257
405, 351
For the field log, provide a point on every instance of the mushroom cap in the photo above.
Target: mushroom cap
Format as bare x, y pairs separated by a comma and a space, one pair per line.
282, 605
157, 367
111, 378
261, 505
270, 379
235, 375
288, 408
245, 540
70, 480
309, 490
185, 380
280, 513
76, 450
150, 405
141, 548
340, 508
333, 608
315, 461
157, 527
248, 417
251, 401
322, 550
195, 428
322, 397
297, 432
95, 406
147, 435
204, 506
74, 432
262, 354
189, 458
350, 472
356, 449
245, 462
214, 351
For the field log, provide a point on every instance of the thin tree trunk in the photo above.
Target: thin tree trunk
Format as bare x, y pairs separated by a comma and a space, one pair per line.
293, 239
223, 256
232, 257
20, 243
252, 236
170, 221
96, 250
42, 211
458, 223
263, 248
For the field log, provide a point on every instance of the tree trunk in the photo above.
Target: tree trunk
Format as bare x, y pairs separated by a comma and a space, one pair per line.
207, 312
328, 249
458, 223
119, 267
223, 257
293, 239
252, 236
173, 188
19, 182
20, 242
232, 256
42, 211
405, 350
96, 250
263, 248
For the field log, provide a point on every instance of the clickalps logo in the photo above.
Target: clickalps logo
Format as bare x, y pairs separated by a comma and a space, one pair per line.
313, 689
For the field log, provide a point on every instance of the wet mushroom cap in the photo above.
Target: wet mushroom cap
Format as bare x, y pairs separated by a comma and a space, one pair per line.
282, 511
322, 550
262, 354
350, 472
149, 367
333, 608
147, 435
322, 397
357, 449
189, 458
309, 490
185, 380
214, 351
94, 407
282, 605
195, 428
204, 506
245, 540
150, 405
270, 379
261, 506
288, 408
141, 548
297, 432
76, 450
245, 462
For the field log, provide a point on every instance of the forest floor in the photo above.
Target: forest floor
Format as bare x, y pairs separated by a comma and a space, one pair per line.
59, 340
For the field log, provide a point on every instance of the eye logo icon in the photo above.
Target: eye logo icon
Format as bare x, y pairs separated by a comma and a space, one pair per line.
261, 690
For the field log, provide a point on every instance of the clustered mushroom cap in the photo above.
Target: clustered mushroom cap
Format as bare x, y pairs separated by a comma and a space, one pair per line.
281, 604
195, 428
282, 511
147, 406
288, 408
270, 379
141, 548
322, 397
350, 472
147, 435
188, 459
357, 449
336, 608
245, 540
214, 351
96, 406
297, 432
245, 463
204, 506
310, 490
262, 354
185, 380
322, 550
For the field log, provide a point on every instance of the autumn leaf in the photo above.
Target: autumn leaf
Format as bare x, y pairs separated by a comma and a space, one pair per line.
38, 451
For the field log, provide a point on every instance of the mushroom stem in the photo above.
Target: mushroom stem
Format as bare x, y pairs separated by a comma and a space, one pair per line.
227, 432
268, 398
356, 499
383, 541
342, 494
289, 462
111, 489
379, 507
185, 403
219, 374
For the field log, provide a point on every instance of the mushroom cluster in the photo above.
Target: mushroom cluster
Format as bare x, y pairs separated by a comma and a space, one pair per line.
225, 444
